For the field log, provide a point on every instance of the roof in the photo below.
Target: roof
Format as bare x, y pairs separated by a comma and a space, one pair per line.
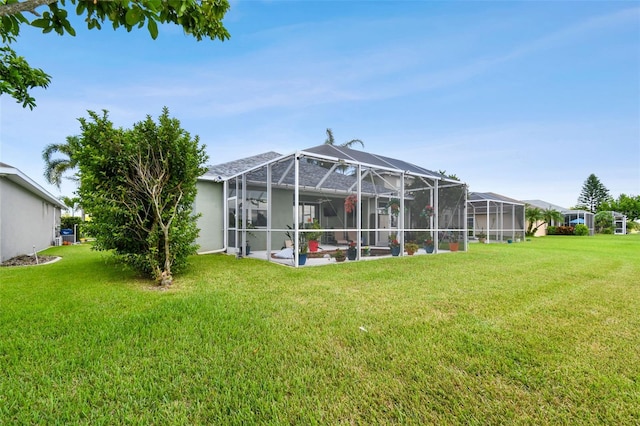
313, 176
548, 206
369, 159
545, 205
492, 196
17, 177
224, 171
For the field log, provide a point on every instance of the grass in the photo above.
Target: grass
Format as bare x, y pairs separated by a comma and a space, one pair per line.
541, 332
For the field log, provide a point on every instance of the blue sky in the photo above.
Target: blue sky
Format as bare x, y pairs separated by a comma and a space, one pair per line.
525, 99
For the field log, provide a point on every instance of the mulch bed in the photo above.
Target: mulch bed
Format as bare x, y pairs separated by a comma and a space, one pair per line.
25, 260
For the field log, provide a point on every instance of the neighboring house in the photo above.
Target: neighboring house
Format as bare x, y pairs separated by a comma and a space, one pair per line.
29, 215
619, 223
571, 217
269, 199
498, 217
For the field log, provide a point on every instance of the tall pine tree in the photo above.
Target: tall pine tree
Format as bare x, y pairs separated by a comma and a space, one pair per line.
593, 194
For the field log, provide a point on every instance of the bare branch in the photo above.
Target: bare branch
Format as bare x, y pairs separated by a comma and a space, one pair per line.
25, 6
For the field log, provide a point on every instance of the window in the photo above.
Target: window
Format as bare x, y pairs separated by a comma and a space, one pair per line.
308, 212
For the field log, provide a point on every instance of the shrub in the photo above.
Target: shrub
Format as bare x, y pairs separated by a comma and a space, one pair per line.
565, 230
67, 222
551, 230
581, 230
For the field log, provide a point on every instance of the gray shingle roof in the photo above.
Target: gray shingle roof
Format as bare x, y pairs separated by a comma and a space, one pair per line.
492, 196
313, 175
545, 205
232, 168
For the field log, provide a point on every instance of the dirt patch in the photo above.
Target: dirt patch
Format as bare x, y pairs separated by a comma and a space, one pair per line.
25, 260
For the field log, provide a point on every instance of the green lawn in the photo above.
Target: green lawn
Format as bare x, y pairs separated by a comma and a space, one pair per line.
540, 332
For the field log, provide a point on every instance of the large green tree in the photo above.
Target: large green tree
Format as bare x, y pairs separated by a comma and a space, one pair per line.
593, 194
629, 205
200, 19
139, 185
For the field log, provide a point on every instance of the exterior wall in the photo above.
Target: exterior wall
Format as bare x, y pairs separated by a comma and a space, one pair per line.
281, 216
542, 230
209, 203
26, 220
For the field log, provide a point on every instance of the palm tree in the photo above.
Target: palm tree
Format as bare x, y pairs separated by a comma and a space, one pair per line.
533, 215
56, 167
331, 141
72, 203
347, 170
539, 217
552, 216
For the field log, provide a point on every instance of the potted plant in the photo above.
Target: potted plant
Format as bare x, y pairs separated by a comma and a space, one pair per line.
250, 234
482, 237
352, 251
302, 253
350, 203
313, 236
411, 248
367, 251
339, 255
427, 211
429, 245
394, 245
394, 206
454, 245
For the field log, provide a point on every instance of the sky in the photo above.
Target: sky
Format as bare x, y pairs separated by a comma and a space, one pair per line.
521, 98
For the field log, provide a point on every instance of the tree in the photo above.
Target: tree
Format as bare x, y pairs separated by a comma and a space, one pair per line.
199, 19
55, 168
593, 194
17, 78
331, 141
139, 185
536, 217
628, 205
533, 216
604, 222
552, 216
72, 203
343, 168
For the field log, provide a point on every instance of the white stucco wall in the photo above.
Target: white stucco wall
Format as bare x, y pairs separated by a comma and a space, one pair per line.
26, 220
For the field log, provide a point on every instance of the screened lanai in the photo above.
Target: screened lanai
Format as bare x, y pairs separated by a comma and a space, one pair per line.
497, 217
338, 196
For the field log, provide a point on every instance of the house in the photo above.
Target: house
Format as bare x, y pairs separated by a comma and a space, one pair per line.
619, 223
571, 217
29, 215
269, 200
498, 217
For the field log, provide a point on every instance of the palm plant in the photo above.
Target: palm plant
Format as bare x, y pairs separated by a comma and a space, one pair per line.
331, 141
344, 169
55, 168
550, 216
533, 215
538, 217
